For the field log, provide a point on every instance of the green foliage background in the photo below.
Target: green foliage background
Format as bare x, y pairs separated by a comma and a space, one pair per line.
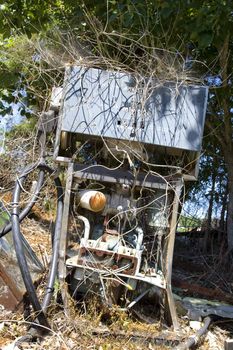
164, 37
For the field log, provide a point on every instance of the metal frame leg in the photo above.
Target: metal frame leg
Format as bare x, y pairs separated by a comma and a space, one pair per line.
63, 241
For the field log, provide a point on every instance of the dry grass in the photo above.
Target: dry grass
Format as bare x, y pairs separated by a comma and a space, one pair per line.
86, 331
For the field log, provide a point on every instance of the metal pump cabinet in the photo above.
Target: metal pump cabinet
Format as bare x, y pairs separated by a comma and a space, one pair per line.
128, 143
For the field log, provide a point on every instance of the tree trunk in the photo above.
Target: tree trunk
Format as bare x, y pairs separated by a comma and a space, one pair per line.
211, 201
209, 212
222, 224
229, 165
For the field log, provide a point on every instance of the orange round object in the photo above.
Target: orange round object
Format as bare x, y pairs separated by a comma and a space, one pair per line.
97, 202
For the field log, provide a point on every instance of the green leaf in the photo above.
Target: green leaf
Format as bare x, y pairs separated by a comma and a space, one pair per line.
205, 39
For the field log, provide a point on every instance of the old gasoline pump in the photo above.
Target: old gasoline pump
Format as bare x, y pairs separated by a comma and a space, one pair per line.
126, 144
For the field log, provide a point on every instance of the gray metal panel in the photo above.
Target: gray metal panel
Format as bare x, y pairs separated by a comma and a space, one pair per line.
118, 105
103, 174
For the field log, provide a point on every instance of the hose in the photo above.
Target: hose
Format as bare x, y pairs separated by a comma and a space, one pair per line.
194, 339
30, 205
18, 243
22, 215
17, 239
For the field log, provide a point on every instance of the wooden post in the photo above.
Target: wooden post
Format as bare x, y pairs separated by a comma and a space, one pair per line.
169, 256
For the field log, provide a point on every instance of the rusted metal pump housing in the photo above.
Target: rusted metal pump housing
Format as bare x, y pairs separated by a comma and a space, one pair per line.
136, 140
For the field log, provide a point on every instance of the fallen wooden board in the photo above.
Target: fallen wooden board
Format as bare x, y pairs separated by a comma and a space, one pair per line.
209, 293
